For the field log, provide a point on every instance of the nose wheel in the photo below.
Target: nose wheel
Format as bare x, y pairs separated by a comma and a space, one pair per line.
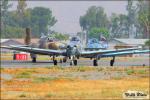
73, 61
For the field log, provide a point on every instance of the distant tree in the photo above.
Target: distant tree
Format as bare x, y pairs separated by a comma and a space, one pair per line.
147, 43
41, 19
59, 36
4, 14
114, 25
38, 19
21, 12
144, 16
79, 34
119, 26
131, 17
21, 7
94, 17
13, 32
96, 32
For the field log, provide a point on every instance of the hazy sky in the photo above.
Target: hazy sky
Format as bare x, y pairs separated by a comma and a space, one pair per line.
68, 12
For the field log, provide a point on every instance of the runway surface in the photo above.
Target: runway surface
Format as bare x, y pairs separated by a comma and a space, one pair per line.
88, 62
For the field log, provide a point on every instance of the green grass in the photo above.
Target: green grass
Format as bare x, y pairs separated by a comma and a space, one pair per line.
32, 70
117, 78
24, 75
84, 68
43, 79
55, 67
81, 69
141, 72
22, 95
130, 71
1, 68
49, 95
100, 69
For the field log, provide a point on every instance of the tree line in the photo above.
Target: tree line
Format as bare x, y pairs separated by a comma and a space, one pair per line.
134, 24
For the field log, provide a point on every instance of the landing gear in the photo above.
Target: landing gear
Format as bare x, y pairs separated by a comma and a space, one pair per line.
34, 59
95, 63
71, 63
64, 59
75, 62
55, 62
112, 61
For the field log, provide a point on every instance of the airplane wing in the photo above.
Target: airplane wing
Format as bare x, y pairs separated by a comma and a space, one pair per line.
124, 53
92, 54
90, 49
35, 50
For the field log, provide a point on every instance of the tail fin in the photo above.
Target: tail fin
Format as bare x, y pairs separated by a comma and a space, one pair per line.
27, 40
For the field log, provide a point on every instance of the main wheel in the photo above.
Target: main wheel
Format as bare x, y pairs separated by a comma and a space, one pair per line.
64, 60
75, 62
111, 62
55, 62
95, 63
34, 59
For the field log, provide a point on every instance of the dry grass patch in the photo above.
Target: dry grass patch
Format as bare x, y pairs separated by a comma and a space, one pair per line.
60, 87
84, 88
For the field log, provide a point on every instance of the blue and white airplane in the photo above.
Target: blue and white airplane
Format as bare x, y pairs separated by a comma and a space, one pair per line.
95, 44
74, 51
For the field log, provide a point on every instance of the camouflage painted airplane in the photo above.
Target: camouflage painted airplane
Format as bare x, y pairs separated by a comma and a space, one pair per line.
74, 51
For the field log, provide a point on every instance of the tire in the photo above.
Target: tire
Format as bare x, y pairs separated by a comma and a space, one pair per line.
75, 62
111, 62
55, 62
34, 59
95, 63
70, 63
64, 60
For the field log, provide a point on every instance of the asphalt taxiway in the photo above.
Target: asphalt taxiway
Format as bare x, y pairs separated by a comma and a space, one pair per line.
128, 62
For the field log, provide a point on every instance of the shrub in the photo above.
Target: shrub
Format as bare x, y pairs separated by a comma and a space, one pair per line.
24, 75
130, 71
141, 72
49, 95
43, 79
22, 95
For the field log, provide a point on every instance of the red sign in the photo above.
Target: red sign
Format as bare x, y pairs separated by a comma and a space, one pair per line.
21, 56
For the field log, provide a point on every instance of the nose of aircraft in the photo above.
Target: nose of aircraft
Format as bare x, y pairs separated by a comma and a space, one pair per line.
71, 50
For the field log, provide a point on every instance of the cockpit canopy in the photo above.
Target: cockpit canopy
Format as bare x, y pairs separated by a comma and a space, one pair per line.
95, 43
74, 39
94, 40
